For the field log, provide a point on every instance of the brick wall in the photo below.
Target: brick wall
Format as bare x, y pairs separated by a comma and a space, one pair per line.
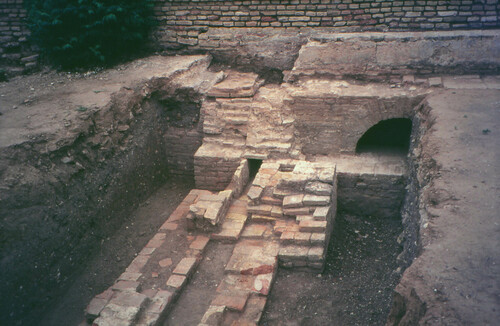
181, 22
16, 55
186, 23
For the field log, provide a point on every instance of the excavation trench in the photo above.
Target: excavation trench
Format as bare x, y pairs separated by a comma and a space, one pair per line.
156, 155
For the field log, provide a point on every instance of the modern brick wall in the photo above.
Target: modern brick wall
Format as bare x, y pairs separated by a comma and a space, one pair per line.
185, 23
16, 55
181, 22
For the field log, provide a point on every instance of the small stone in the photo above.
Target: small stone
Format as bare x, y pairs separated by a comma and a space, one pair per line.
66, 160
165, 262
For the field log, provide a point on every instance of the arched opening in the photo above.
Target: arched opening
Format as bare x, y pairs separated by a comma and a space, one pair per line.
390, 136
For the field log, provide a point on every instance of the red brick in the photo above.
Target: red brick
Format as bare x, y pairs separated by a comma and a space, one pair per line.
186, 266
137, 264
125, 286
236, 303
176, 281
199, 243
169, 226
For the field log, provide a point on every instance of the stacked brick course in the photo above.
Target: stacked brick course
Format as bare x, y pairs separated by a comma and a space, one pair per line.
182, 22
16, 55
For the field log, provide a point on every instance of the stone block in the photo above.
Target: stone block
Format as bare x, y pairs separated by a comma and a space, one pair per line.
94, 308
293, 253
254, 231
313, 200
254, 193
319, 188
236, 85
199, 243
129, 276
126, 286
260, 209
302, 238
293, 201
321, 213
297, 211
312, 226
316, 254
318, 239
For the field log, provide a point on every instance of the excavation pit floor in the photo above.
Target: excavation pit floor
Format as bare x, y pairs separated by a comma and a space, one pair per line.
357, 285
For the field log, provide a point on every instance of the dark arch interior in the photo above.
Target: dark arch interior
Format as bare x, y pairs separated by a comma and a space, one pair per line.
390, 136
254, 166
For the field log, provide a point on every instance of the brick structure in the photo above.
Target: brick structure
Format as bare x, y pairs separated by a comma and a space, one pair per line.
16, 54
182, 22
191, 24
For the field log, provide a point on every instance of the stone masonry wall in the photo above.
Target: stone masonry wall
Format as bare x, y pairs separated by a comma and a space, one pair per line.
182, 22
16, 54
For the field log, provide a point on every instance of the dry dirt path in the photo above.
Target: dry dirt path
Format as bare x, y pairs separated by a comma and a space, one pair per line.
457, 274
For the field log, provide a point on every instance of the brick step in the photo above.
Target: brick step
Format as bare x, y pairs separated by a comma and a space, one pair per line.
259, 230
307, 239
271, 201
281, 194
262, 218
312, 226
266, 210
302, 257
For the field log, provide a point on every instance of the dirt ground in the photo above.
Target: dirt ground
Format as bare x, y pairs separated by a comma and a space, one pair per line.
356, 286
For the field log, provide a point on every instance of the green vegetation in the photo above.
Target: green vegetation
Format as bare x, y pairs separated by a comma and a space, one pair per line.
89, 33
